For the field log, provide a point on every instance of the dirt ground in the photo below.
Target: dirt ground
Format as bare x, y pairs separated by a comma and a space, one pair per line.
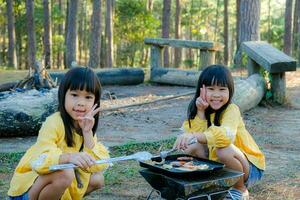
275, 128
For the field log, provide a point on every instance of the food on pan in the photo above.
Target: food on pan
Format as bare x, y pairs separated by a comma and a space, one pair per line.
193, 167
185, 158
184, 163
177, 163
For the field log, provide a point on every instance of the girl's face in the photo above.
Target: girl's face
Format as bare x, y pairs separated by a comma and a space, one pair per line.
217, 96
78, 103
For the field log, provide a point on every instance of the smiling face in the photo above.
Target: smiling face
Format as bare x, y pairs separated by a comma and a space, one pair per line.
217, 96
78, 103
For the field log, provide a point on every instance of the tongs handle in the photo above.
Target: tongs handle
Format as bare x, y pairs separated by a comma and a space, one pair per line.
109, 160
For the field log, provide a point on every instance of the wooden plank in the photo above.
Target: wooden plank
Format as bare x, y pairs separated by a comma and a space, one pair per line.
205, 45
268, 57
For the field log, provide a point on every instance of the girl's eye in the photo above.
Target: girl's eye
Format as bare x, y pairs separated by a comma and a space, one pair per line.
89, 97
73, 94
209, 88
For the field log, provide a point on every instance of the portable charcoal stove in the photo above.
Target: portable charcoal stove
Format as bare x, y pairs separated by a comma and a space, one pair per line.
211, 184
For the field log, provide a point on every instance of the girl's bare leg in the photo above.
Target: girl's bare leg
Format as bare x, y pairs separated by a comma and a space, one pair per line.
96, 182
51, 186
234, 159
198, 150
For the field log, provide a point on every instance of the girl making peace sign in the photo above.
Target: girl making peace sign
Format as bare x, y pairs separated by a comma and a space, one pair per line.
217, 125
67, 136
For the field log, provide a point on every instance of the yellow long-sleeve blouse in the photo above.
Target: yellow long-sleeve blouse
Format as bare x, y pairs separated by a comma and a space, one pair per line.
46, 151
231, 131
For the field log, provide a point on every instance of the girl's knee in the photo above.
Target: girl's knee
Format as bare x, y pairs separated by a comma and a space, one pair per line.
97, 181
224, 154
65, 177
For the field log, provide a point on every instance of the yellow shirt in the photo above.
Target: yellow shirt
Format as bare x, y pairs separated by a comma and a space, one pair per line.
46, 151
231, 131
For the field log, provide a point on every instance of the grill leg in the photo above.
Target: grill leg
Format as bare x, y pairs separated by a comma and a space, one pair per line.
150, 194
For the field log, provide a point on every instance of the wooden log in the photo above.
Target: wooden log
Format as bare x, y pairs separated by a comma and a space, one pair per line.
7, 86
116, 76
172, 76
249, 91
22, 113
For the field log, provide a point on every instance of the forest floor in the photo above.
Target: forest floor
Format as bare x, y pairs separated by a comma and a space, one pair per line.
276, 129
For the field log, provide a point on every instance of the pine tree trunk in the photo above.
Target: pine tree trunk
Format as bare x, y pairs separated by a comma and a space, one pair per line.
166, 28
177, 54
71, 45
287, 45
95, 44
295, 27
60, 53
31, 33
248, 23
47, 34
82, 14
109, 33
11, 54
226, 34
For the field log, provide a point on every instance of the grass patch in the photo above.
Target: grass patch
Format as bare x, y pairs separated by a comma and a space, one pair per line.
152, 147
12, 75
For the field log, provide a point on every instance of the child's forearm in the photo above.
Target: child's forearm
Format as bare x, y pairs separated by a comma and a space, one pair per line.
89, 140
201, 114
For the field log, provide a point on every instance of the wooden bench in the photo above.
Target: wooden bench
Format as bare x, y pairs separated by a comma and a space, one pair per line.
207, 50
272, 60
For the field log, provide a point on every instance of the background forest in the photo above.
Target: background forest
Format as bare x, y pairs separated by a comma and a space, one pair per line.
110, 33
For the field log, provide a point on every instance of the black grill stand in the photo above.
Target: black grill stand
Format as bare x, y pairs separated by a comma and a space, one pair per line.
213, 186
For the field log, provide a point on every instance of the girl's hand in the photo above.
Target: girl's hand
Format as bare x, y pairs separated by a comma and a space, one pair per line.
82, 159
201, 102
87, 122
183, 140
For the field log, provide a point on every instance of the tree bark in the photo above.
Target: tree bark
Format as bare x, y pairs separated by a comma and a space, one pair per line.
216, 21
60, 53
287, 45
177, 56
31, 33
166, 28
248, 23
109, 33
226, 34
47, 34
71, 46
11, 54
81, 32
95, 44
295, 28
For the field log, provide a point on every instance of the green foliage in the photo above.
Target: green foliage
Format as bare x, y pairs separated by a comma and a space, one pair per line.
268, 77
131, 27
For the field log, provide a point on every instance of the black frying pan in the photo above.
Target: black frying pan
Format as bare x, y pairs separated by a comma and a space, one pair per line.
212, 166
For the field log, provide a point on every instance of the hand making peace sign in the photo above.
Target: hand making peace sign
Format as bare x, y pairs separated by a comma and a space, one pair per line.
201, 102
86, 122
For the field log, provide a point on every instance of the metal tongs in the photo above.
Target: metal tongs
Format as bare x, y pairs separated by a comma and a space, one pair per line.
140, 156
164, 154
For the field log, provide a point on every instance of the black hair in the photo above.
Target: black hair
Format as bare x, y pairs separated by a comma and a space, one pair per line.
77, 78
212, 75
